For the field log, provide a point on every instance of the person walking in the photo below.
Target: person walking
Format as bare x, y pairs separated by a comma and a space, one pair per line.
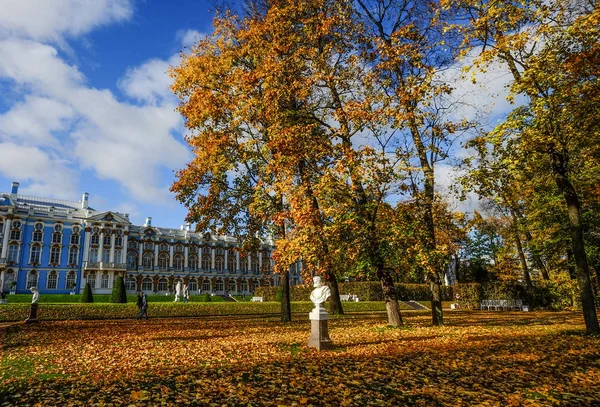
139, 300
144, 307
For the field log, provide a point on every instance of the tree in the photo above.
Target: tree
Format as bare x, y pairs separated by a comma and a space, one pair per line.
552, 50
118, 294
86, 295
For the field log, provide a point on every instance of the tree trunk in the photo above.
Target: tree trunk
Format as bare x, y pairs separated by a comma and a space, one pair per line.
578, 246
391, 298
335, 304
535, 255
522, 258
437, 315
286, 309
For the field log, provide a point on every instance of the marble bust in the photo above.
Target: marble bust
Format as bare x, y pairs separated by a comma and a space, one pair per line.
177, 290
36, 295
321, 292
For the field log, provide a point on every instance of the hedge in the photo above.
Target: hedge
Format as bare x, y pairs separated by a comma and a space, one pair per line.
100, 298
366, 291
48, 312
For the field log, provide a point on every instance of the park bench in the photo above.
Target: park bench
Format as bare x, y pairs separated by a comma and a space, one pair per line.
256, 299
503, 305
349, 297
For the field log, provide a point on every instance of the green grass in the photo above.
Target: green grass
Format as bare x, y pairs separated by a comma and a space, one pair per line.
98, 298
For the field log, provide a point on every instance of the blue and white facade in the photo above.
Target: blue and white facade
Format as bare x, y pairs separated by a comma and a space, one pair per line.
59, 246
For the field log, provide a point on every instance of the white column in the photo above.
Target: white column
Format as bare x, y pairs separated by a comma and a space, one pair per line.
237, 261
86, 244
250, 263
124, 248
111, 256
155, 254
185, 258
171, 250
200, 260
140, 252
226, 255
5, 240
259, 260
101, 249
213, 253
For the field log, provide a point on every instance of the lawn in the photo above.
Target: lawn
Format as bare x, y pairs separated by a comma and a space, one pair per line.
478, 358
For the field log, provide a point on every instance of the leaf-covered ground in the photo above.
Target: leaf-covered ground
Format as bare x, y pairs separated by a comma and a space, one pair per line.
478, 358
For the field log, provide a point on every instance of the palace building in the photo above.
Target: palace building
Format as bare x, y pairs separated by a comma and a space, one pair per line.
59, 246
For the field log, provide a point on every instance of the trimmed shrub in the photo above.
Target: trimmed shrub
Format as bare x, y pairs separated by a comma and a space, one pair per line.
119, 295
87, 296
206, 297
366, 291
278, 295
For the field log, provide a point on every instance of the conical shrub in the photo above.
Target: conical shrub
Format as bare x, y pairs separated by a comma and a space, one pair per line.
118, 294
86, 295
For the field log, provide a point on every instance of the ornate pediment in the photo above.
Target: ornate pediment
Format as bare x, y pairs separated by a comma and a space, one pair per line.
109, 217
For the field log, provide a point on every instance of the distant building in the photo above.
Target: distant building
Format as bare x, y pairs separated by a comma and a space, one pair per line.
59, 245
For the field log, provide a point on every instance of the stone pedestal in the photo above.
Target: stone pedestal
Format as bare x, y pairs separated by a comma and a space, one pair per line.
32, 314
319, 334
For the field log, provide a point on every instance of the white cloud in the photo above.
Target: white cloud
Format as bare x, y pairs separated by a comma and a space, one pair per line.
120, 141
150, 81
52, 20
189, 37
35, 120
49, 175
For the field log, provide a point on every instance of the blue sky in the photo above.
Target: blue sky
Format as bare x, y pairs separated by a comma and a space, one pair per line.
85, 104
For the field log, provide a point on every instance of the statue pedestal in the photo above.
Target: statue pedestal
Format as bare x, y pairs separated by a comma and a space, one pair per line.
32, 314
319, 334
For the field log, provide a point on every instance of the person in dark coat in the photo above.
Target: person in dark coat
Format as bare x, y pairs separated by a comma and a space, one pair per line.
144, 307
139, 300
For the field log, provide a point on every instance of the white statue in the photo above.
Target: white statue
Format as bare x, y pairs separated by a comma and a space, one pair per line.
177, 291
36, 295
321, 292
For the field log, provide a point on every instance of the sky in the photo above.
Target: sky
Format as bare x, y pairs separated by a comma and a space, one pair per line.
85, 104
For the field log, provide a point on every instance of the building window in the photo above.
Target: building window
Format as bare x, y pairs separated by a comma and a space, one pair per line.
193, 263
193, 285
71, 280
106, 240
231, 263
93, 257
74, 238
219, 286
36, 254
206, 263
73, 256
105, 255
31, 279
52, 281
206, 286
119, 241
104, 280
130, 283
92, 280
219, 262
38, 236
118, 256
244, 286
58, 228
95, 239
55, 255
13, 253
147, 284
8, 280
254, 265
179, 248
244, 265
255, 285
178, 262
163, 261
15, 234
148, 261
162, 284
57, 237
75, 229
132, 244
132, 259
193, 249
164, 247
231, 285
148, 246
206, 251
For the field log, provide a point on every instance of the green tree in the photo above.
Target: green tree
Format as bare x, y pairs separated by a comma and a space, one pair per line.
119, 295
